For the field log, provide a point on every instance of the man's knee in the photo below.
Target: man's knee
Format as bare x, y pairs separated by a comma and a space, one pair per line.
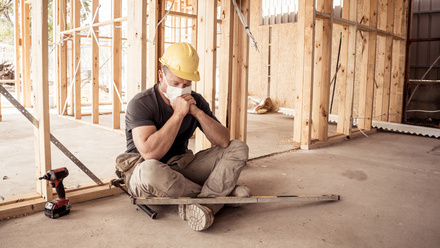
149, 171
238, 150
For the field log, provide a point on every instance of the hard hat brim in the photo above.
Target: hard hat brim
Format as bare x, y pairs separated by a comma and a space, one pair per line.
185, 75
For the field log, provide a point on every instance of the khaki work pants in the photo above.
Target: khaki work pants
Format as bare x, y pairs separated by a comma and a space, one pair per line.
209, 173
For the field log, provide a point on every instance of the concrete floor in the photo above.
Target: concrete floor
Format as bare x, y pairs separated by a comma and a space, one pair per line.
389, 187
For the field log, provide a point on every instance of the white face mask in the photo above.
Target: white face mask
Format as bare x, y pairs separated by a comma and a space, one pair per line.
174, 92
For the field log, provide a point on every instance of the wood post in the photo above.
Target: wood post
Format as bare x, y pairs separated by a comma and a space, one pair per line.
304, 85
155, 41
116, 64
62, 56
17, 51
40, 78
206, 48
237, 114
76, 14
136, 39
95, 63
226, 39
321, 77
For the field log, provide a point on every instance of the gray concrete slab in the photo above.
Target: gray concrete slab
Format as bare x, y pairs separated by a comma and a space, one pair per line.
388, 184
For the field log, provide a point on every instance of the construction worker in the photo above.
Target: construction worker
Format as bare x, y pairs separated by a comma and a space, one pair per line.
159, 123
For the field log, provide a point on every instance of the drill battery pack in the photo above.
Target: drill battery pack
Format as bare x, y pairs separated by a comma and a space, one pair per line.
57, 208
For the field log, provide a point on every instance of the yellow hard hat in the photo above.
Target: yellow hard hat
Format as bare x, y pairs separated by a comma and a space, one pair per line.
182, 60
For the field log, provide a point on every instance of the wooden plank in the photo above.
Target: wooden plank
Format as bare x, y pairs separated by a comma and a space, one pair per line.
238, 111
396, 90
373, 13
387, 78
307, 39
40, 78
153, 50
282, 73
341, 82
382, 14
321, 79
369, 92
17, 50
31, 204
116, 65
95, 64
76, 13
300, 75
361, 77
206, 48
62, 57
226, 39
379, 78
351, 65
26, 58
136, 51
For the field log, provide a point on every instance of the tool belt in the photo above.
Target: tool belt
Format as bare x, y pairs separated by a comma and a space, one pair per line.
127, 162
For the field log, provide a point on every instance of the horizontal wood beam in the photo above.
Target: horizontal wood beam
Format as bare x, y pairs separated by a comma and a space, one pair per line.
99, 24
32, 203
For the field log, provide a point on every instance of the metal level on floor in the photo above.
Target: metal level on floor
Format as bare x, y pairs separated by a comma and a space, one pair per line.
230, 199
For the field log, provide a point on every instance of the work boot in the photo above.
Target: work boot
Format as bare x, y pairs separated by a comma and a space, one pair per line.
239, 191
199, 217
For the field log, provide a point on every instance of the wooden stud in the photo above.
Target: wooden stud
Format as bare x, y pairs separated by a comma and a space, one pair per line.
17, 51
351, 65
380, 77
153, 48
237, 114
40, 78
62, 56
226, 39
206, 48
341, 82
321, 79
396, 90
76, 13
95, 64
116, 64
136, 38
303, 106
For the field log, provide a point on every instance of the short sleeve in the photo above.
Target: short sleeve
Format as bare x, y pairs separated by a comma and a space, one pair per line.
138, 114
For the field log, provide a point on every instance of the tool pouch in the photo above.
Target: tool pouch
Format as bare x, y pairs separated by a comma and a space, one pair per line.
125, 164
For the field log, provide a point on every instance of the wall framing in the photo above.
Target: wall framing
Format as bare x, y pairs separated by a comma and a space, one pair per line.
365, 24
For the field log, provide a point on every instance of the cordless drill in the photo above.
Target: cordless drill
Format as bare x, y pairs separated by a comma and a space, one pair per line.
60, 206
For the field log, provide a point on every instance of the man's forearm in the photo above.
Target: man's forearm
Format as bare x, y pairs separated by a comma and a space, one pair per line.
216, 133
158, 144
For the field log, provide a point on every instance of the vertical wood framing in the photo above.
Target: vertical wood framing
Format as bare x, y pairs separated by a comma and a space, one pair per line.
304, 95
206, 48
379, 78
362, 75
341, 82
40, 77
351, 65
237, 114
17, 50
76, 13
95, 64
62, 56
321, 79
116, 64
226, 39
136, 40
155, 44
26, 58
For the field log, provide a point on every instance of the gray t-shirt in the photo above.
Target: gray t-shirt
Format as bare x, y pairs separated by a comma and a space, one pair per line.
147, 108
